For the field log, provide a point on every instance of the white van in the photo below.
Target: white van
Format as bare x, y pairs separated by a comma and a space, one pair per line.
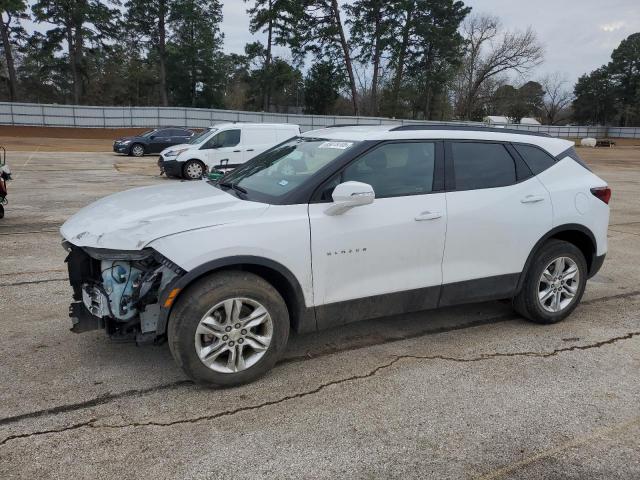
226, 144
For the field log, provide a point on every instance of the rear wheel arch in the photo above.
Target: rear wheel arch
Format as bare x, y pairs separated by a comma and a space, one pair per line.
576, 234
302, 319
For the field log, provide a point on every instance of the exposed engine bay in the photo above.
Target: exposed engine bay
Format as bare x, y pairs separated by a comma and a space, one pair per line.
118, 290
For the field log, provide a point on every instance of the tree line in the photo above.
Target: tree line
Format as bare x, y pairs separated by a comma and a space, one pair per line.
423, 59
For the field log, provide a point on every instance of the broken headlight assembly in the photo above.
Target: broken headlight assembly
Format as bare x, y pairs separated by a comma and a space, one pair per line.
117, 289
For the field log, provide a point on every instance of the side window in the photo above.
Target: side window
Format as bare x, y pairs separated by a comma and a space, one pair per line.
482, 165
537, 159
395, 169
163, 133
227, 138
177, 133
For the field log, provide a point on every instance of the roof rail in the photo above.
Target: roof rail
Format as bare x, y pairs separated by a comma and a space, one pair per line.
468, 128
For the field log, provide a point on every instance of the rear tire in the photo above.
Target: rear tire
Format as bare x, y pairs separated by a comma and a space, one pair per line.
193, 170
227, 312
137, 150
554, 283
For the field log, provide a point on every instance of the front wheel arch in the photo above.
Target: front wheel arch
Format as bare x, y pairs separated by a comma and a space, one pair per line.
576, 234
302, 318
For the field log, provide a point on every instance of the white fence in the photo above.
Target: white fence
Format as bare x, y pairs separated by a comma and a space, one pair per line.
151, 117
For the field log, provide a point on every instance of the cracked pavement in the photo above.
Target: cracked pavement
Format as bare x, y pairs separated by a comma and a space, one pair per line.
464, 392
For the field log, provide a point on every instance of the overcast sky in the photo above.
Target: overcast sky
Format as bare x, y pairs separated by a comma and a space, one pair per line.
578, 35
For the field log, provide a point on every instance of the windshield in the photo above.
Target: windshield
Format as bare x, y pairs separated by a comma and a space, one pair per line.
202, 136
285, 167
148, 133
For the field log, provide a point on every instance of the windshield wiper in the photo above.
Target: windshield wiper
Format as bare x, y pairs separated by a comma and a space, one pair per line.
233, 186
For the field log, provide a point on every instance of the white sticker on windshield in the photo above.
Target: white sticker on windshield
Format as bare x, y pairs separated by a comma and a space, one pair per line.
337, 145
283, 183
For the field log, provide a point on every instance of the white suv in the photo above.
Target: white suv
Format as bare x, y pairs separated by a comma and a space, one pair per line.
335, 226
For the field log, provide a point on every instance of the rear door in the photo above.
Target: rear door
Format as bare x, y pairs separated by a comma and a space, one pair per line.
179, 135
497, 211
384, 258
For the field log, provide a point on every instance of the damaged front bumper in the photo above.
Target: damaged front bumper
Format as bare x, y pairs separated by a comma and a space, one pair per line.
118, 291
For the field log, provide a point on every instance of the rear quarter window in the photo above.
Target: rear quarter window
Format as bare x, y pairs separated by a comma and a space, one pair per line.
537, 159
482, 165
573, 154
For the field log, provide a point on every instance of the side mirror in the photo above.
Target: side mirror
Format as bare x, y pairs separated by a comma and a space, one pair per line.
152, 137
348, 195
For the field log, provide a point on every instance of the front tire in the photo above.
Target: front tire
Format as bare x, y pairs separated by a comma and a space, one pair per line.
137, 150
228, 329
193, 170
554, 284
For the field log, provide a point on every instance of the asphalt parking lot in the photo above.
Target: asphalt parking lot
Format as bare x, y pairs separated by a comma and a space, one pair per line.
466, 392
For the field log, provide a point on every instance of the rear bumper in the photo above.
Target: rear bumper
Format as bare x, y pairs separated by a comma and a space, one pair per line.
596, 265
172, 168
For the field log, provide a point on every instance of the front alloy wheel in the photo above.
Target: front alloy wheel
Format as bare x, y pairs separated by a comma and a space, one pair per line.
228, 328
137, 150
234, 335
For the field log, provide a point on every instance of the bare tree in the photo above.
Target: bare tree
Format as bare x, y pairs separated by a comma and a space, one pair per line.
557, 97
490, 53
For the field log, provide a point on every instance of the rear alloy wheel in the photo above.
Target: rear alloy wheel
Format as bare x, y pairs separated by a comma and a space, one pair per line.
137, 150
559, 284
228, 328
554, 284
193, 170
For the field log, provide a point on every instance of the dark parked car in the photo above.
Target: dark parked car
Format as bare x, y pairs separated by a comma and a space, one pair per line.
153, 141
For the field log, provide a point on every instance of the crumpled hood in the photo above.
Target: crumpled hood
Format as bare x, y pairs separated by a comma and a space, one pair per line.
132, 219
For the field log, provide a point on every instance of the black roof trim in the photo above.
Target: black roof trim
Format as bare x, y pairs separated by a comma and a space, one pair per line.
467, 128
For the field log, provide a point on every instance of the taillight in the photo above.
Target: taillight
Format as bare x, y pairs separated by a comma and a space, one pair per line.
603, 193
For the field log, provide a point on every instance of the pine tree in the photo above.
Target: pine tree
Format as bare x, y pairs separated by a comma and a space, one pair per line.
278, 19
77, 23
322, 33
11, 31
195, 51
149, 19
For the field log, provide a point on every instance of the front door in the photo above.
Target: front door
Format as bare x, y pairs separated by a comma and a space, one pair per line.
224, 148
386, 257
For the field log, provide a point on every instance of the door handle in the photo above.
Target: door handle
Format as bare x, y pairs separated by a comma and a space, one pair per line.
250, 150
428, 216
532, 199
237, 151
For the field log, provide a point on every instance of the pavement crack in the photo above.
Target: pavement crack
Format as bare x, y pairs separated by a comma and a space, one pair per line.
107, 398
553, 353
94, 402
75, 426
32, 282
93, 423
